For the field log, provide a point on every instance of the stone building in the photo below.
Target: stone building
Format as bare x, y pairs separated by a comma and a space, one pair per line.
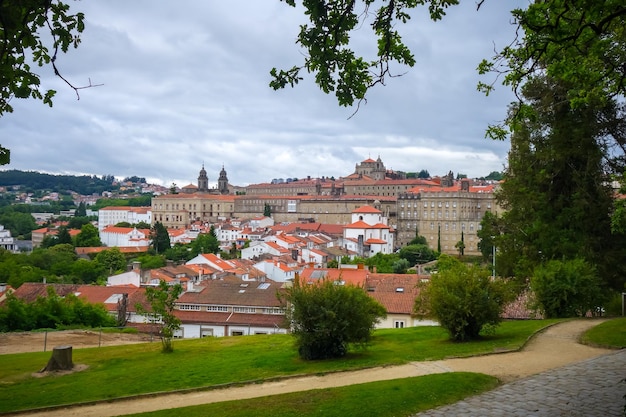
445, 213
178, 211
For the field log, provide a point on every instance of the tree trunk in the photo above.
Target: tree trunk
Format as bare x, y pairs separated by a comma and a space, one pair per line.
61, 359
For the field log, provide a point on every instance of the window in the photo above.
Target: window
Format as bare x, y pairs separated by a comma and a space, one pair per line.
236, 333
247, 310
398, 324
189, 307
222, 309
273, 311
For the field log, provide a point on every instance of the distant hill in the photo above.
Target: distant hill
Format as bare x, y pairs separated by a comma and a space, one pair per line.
63, 184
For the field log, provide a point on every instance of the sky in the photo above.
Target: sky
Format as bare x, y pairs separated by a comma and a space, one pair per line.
186, 84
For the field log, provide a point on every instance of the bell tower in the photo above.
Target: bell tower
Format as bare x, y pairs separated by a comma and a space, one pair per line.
222, 182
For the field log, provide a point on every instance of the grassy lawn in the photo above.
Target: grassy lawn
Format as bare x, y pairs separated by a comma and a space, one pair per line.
400, 397
610, 334
118, 371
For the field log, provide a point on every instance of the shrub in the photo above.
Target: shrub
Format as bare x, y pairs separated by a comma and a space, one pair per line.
327, 317
464, 299
567, 288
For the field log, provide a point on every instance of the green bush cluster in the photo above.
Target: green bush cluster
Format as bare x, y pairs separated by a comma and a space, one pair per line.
568, 288
464, 299
327, 317
52, 312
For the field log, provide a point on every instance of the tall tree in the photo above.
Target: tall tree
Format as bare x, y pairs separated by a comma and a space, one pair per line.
555, 192
81, 211
205, 243
88, 236
162, 300
160, 238
112, 260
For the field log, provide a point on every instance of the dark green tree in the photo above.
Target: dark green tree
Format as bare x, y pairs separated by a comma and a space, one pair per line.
85, 271
81, 210
460, 245
495, 176
160, 238
569, 288
327, 318
556, 195
162, 300
267, 210
20, 224
423, 174
112, 261
464, 299
88, 236
205, 243
400, 266
417, 254
63, 236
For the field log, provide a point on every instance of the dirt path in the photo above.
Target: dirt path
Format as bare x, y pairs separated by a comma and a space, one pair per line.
552, 348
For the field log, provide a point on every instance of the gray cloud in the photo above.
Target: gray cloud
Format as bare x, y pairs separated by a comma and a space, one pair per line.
187, 83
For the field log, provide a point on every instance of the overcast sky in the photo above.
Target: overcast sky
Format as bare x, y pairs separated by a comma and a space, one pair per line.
186, 83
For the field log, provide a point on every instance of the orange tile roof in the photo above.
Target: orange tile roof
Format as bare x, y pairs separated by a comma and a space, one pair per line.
367, 209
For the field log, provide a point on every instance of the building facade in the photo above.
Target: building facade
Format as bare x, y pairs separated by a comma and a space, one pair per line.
445, 216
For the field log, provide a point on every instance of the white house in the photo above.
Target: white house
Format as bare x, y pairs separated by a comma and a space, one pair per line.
369, 233
261, 222
258, 248
6, 240
314, 257
125, 236
277, 270
110, 216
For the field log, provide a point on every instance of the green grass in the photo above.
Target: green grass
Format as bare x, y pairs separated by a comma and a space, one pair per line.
399, 397
610, 334
117, 371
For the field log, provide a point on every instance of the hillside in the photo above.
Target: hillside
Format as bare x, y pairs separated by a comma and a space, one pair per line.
36, 181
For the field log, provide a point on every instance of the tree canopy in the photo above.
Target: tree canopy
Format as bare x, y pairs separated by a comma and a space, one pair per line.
326, 317
33, 32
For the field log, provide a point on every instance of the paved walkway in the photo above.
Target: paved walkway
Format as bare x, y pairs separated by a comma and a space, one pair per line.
590, 388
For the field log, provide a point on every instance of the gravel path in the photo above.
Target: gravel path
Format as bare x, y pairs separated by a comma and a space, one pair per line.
553, 348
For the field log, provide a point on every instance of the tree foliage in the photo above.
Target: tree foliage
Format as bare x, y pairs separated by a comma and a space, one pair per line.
88, 236
330, 56
52, 312
464, 299
32, 31
556, 192
162, 300
569, 288
160, 238
417, 253
327, 318
112, 260
205, 243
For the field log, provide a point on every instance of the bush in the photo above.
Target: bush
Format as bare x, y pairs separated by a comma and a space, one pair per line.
464, 299
327, 317
52, 312
567, 288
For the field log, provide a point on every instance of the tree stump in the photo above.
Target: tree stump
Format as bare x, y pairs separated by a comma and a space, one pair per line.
61, 359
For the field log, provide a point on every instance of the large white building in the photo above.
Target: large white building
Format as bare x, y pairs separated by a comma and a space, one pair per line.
110, 216
6, 240
125, 237
369, 233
